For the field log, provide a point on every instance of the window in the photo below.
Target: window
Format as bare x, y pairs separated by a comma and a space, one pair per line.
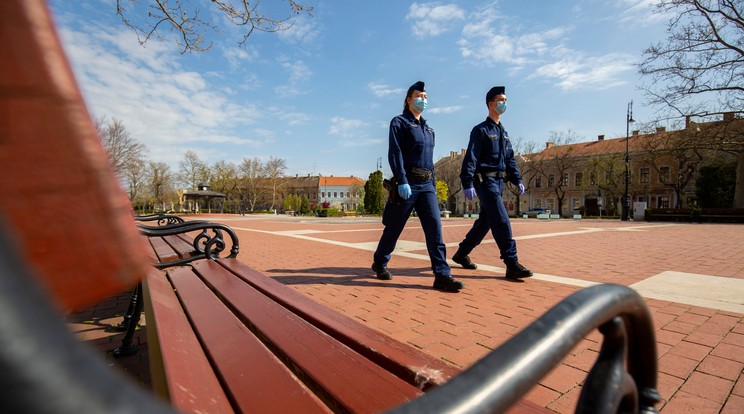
551, 180
538, 182
551, 204
537, 203
576, 203
579, 179
643, 179
565, 180
323, 194
663, 201
592, 179
664, 176
335, 194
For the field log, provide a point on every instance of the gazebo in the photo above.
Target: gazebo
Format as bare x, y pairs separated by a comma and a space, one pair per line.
203, 193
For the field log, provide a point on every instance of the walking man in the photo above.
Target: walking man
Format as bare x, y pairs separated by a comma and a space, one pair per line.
488, 164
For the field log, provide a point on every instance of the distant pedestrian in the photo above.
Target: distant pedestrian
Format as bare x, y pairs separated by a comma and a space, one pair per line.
488, 164
411, 158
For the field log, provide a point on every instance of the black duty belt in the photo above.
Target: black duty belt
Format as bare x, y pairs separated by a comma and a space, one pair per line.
497, 174
481, 176
419, 175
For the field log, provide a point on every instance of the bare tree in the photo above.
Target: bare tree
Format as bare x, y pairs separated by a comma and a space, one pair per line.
556, 162
699, 70
448, 170
121, 147
193, 30
274, 169
251, 173
135, 177
224, 180
192, 171
160, 185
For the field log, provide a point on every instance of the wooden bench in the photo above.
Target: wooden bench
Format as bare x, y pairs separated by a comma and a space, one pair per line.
173, 242
53, 260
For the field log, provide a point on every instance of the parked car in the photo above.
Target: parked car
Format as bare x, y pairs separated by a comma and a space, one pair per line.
533, 212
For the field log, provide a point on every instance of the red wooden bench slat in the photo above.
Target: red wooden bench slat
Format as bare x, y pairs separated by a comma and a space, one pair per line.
254, 378
409, 363
356, 383
163, 250
181, 244
185, 377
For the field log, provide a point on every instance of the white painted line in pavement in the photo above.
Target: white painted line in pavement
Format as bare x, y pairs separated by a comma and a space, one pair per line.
700, 290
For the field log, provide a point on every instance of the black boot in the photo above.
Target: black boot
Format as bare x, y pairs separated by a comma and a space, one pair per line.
464, 260
382, 272
514, 270
447, 284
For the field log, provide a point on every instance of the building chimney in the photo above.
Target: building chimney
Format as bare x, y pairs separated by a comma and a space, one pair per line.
635, 133
600, 137
687, 121
728, 116
548, 144
660, 129
462, 152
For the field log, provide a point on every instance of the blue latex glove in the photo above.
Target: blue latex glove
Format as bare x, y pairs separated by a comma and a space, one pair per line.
469, 193
404, 191
521, 188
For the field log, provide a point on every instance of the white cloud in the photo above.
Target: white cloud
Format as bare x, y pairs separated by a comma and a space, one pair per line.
381, 90
345, 127
432, 21
640, 12
577, 71
445, 109
486, 40
351, 132
298, 70
160, 104
236, 56
304, 30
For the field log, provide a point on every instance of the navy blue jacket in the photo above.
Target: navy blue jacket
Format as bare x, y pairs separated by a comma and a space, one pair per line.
411, 145
489, 150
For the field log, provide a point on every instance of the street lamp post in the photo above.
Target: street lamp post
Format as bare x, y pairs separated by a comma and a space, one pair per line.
626, 198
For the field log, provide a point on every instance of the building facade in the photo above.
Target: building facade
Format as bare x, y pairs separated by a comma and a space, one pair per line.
343, 193
589, 177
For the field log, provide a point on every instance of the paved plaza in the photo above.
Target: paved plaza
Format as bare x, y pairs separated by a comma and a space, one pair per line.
691, 275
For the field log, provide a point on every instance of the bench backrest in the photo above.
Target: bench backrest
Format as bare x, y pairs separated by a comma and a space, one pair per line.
62, 198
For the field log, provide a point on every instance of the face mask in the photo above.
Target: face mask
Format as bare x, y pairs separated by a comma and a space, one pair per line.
419, 104
500, 107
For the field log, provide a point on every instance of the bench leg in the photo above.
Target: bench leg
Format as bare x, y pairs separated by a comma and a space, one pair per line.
127, 347
122, 326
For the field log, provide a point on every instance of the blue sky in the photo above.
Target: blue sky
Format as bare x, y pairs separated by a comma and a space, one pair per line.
321, 95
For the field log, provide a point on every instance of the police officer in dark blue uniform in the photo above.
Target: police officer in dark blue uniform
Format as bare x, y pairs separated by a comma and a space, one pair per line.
488, 164
411, 157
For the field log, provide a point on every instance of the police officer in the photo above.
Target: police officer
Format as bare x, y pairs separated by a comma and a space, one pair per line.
411, 158
488, 164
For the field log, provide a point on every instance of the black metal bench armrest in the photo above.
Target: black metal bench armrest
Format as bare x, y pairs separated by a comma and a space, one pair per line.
162, 219
505, 375
208, 244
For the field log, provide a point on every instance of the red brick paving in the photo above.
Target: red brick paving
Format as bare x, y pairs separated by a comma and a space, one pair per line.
701, 350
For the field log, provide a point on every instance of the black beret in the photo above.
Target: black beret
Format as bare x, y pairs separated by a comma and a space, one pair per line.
418, 86
496, 90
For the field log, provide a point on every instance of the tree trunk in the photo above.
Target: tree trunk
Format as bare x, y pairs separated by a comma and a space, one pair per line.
739, 191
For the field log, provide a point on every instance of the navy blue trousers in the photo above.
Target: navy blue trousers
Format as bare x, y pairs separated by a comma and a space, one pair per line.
494, 217
395, 216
